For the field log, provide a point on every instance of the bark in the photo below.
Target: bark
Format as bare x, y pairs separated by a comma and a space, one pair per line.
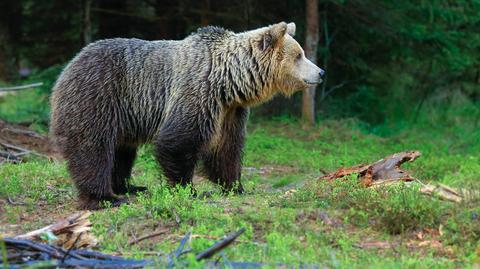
10, 22
205, 16
3, 55
381, 172
87, 22
311, 43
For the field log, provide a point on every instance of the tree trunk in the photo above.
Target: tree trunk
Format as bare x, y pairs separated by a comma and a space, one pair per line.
311, 42
205, 15
4, 43
10, 36
87, 22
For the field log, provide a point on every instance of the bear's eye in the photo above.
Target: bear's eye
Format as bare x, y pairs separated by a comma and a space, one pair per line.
299, 56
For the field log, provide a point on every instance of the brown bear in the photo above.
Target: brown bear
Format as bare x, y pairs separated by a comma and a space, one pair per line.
190, 98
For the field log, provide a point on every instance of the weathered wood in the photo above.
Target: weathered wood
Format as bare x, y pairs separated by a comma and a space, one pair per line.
58, 227
447, 193
380, 172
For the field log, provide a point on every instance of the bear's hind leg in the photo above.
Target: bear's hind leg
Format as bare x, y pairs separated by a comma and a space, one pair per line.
91, 170
122, 171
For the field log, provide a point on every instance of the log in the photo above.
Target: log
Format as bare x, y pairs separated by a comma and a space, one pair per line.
381, 172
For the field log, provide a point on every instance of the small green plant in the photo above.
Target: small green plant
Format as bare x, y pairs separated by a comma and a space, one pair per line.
407, 209
396, 209
167, 203
3, 250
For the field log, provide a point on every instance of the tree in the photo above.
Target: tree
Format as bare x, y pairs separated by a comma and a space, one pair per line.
311, 41
87, 22
10, 19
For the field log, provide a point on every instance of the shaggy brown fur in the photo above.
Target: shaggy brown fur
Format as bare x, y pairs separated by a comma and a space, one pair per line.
190, 98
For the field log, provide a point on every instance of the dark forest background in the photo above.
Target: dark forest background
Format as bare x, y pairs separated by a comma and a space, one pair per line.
389, 64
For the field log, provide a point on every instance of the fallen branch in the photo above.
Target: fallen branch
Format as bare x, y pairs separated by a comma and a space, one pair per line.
179, 251
376, 245
22, 132
12, 202
22, 87
9, 156
219, 245
448, 193
22, 151
148, 236
74, 227
25, 250
211, 237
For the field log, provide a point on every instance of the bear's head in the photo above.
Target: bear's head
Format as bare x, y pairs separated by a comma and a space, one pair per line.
278, 52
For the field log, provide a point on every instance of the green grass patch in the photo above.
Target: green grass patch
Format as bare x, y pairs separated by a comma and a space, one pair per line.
321, 223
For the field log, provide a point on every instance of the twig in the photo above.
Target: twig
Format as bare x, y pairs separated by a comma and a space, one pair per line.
22, 150
96, 255
30, 245
20, 154
10, 201
145, 253
9, 156
22, 87
211, 237
179, 251
325, 94
333, 88
23, 132
10, 146
219, 245
148, 236
76, 259
73, 245
325, 172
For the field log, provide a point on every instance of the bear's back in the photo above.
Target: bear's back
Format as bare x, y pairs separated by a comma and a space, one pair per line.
121, 80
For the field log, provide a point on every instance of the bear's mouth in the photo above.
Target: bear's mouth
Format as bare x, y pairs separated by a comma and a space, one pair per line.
312, 83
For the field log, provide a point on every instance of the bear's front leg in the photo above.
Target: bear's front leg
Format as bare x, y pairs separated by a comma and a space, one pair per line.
176, 152
223, 160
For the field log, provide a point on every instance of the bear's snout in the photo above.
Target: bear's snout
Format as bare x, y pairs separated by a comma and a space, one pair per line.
322, 72
312, 73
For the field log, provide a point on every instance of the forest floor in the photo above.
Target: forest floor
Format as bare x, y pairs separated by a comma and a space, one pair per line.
290, 216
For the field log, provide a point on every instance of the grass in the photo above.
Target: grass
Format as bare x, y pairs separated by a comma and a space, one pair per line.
322, 223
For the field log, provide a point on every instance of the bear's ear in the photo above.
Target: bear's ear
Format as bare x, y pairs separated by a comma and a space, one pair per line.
291, 29
273, 35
